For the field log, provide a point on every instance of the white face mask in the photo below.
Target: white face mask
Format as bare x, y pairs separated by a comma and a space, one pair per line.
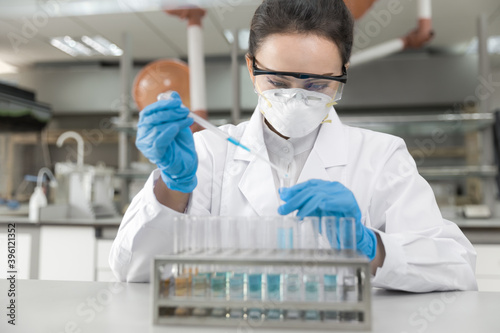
294, 112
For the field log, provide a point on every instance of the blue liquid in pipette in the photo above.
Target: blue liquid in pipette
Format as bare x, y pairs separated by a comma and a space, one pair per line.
237, 143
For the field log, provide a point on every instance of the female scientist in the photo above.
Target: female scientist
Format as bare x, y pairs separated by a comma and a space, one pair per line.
297, 59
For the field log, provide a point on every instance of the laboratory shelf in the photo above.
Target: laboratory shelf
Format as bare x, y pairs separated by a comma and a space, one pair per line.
131, 126
132, 174
422, 124
449, 172
128, 127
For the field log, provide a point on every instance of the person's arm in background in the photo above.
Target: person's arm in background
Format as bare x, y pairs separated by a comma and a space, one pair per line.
423, 252
146, 230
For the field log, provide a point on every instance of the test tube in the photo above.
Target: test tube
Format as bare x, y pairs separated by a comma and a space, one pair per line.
255, 291
200, 284
309, 233
329, 226
165, 278
218, 277
238, 277
181, 279
349, 287
330, 230
288, 239
180, 246
274, 276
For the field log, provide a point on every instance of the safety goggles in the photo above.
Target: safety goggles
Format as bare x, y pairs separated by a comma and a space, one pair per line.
331, 86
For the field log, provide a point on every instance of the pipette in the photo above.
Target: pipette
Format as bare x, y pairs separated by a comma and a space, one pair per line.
217, 131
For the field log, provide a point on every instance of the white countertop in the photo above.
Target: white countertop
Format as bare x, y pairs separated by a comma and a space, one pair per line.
57, 306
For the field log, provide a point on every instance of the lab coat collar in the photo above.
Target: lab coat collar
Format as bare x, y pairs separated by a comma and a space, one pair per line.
330, 149
258, 176
331, 143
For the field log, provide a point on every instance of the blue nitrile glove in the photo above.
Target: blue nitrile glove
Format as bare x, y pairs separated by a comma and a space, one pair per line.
323, 198
164, 137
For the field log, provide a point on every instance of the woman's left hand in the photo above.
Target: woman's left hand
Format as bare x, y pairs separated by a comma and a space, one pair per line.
323, 198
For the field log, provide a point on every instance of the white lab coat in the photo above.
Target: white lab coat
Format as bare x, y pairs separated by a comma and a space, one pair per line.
424, 252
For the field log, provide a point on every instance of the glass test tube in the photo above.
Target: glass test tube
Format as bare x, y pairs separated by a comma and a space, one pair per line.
349, 287
181, 279
237, 276
255, 291
288, 239
347, 229
309, 232
329, 227
200, 281
218, 278
274, 276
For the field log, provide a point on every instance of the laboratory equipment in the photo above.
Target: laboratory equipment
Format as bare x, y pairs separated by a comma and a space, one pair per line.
38, 198
272, 270
84, 191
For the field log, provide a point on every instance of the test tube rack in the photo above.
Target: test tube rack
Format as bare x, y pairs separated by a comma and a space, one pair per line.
166, 302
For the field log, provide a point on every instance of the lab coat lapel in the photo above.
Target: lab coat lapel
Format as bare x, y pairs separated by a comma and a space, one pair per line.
257, 181
329, 151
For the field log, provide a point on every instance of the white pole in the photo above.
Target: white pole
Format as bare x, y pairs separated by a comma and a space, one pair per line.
424, 9
126, 66
196, 68
376, 52
424, 12
235, 71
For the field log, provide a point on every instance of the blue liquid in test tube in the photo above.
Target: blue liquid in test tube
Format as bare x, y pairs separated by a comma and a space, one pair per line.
274, 293
255, 293
237, 292
311, 289
330, 292
218, 287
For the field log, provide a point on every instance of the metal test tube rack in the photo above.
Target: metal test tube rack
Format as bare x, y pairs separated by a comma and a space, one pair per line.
323, 258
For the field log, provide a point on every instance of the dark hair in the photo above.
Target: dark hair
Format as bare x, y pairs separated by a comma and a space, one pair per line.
326, 18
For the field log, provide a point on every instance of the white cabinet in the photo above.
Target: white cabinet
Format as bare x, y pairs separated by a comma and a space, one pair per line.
75, 253
103, 271
67, 253
488, 267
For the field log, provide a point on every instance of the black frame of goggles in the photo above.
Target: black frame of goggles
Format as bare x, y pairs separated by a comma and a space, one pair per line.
340, 78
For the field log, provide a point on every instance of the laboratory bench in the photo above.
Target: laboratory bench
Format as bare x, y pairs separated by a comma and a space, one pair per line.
62, 249
63, 306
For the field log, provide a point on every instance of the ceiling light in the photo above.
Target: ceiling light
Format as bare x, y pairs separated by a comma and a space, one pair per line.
243, 36
6, 68
56, 42
493, 45
229, 36
86, 46
102, 45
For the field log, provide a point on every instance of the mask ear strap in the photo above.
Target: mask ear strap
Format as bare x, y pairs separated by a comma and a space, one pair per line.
332, 102
326, 120
260, 94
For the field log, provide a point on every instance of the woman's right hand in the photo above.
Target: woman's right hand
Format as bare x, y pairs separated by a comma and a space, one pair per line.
164, 137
